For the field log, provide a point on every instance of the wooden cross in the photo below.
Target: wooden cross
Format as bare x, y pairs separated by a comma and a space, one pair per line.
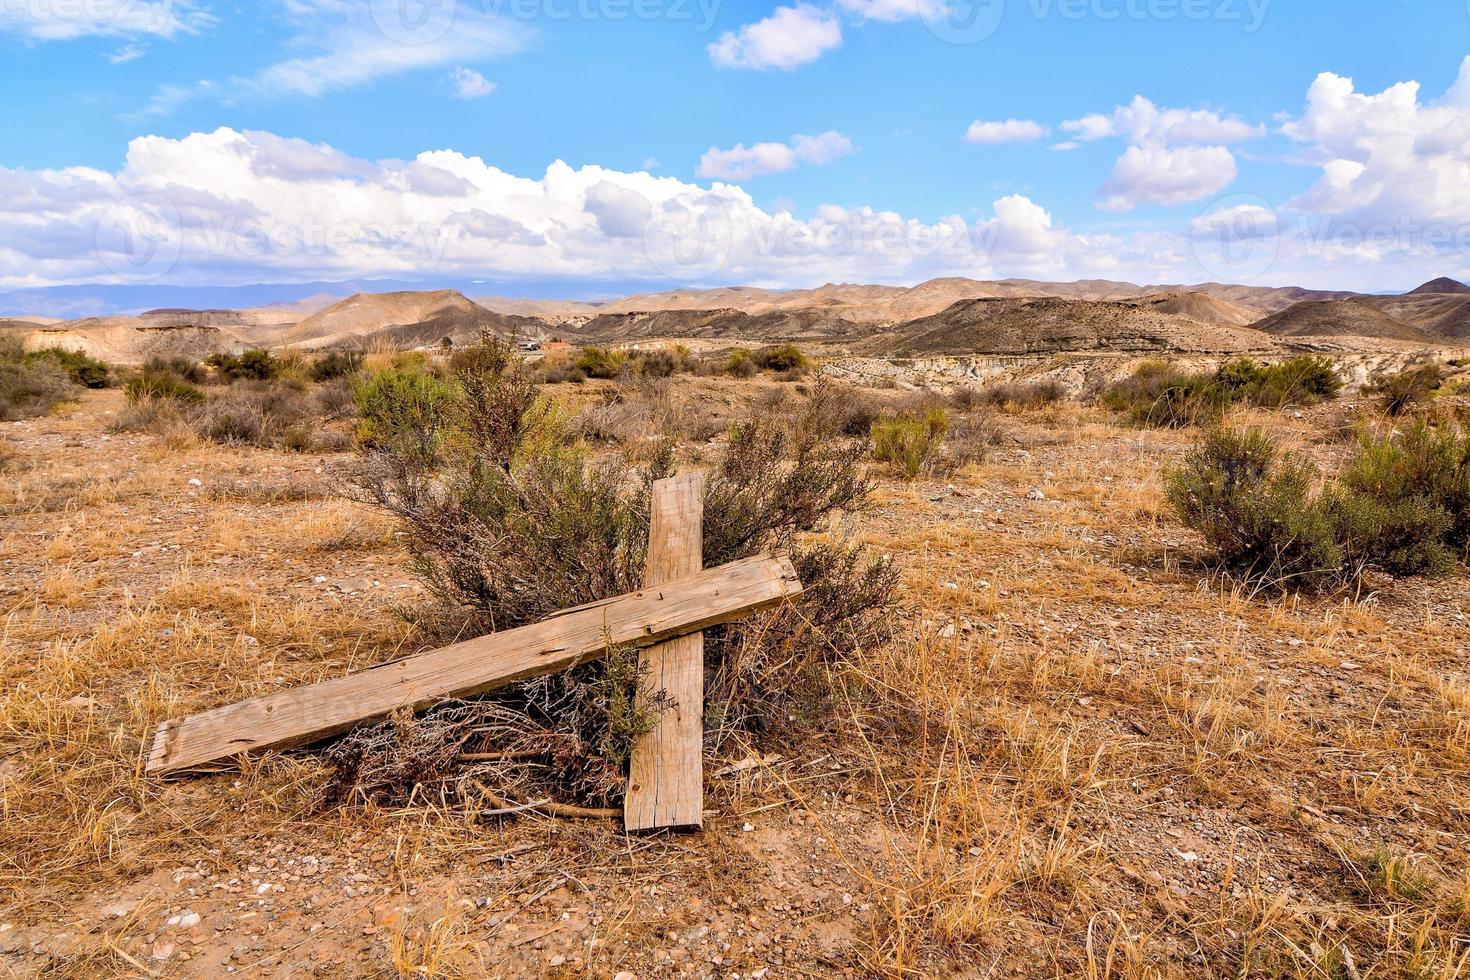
664, 620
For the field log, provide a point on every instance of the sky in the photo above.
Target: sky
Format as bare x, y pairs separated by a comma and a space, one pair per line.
594, 146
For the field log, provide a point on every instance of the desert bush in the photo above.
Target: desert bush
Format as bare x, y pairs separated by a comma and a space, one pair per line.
31, 386
740, 364
843, 410
1403, 538
1426, 465
252, 365
781, 358
336, 364
911, 444
1159, 394
1401, 391
1256, 509
184, 368
1013, 394
83, 370
270, 414
259, 413
511, 521
162, 386
598, 362
1303, 380
663, 363
403, 411
1393, 508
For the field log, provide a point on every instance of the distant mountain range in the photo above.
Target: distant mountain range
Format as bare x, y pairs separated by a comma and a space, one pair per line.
939, 317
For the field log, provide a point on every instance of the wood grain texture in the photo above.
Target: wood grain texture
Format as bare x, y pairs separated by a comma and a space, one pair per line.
666, 774
298, 717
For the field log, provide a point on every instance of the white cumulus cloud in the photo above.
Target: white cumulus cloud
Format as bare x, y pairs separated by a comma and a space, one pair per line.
1387, 158
1174, 155
1007, 131
1158, 174
790, 37
251, 206
742, 162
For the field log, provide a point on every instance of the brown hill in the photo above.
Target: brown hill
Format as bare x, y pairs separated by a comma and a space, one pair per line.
726, 324
128, 340
1445, 315
1338, 318
1443, 284
1047, 325
1203, 308
403, 317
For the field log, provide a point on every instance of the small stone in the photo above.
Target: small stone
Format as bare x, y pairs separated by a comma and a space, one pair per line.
188, 919
1188, 857
748, 828
1035, 494
556, 960
196, 482
1349, 665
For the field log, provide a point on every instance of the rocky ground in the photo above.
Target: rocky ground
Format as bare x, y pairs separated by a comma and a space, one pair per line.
1085, 755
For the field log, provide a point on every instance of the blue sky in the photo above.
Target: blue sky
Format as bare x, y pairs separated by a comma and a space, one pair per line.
844, 114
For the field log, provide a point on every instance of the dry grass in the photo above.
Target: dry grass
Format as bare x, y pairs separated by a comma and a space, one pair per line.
1083, 758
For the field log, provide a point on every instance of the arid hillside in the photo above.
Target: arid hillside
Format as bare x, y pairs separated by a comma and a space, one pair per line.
408, 318
1338, 318
950, 316
1039, 326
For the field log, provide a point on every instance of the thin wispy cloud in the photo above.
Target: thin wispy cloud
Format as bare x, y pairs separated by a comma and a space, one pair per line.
349, 45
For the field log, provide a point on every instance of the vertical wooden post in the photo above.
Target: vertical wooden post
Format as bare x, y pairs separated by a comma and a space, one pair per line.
666, 773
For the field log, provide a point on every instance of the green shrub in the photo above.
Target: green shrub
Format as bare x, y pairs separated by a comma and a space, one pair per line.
337, 364
1399, 392
1403, 538
1159, 394
598, 362
31, 386
404, 412
83, 370
1303, 380
1400, 506
911, 444
740, 364
252, 365
1256, 510
508, 523
1424, 464
784, 358
162, 386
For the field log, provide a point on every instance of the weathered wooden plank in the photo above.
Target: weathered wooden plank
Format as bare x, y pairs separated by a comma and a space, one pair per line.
298, 717
666, 773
